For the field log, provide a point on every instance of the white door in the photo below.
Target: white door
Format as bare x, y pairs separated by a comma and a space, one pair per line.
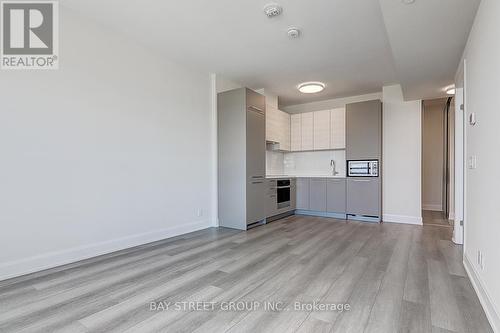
460, 154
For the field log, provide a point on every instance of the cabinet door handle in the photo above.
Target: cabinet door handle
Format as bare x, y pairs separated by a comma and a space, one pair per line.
361, 180
257, 182
256, 109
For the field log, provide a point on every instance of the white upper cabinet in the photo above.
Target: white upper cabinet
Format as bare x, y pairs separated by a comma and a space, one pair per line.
337, 128
321, 130
278, 127
296, 132
285, 143
272, 124
307, 131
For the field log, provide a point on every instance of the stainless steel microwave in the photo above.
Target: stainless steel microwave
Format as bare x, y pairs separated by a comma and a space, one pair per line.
362, 168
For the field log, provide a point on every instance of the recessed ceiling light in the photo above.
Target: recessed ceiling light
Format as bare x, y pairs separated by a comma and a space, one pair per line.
408, 2
450, 91
311, 87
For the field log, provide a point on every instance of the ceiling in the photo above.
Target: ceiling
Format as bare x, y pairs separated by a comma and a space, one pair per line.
354, 46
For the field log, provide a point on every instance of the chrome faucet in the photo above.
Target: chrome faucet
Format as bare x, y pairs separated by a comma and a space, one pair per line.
334, 169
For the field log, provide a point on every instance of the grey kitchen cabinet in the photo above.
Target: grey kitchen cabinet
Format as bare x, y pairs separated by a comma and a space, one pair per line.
241, 158
302, 193
336, 196
271, 198
317, 194
293, 194
255, 145
364, 130
256, 201
364, 196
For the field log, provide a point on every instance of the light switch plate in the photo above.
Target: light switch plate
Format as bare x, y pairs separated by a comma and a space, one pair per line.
472, 162
472, 119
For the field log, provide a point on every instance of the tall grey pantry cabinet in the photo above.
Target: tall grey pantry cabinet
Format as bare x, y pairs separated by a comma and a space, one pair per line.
242, 158
364, 142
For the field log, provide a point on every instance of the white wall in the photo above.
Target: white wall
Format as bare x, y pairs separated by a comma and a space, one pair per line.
330, 103
110, 151
401, 165
223, 84
482, 222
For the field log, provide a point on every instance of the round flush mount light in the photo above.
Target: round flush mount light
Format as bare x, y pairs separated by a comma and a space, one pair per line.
311, 87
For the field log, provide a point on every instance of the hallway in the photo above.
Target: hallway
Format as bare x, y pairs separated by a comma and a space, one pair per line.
435, 218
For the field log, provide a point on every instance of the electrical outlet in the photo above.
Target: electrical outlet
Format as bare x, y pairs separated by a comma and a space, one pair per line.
199, 212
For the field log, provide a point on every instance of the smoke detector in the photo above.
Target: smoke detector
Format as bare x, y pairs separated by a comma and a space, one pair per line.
273, 10
293, 32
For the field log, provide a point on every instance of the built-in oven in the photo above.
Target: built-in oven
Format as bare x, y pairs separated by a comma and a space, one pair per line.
283, 189
362, 168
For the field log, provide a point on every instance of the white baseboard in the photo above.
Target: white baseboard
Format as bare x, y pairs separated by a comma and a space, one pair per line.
490, 310
436, 208
54, 259
390, 218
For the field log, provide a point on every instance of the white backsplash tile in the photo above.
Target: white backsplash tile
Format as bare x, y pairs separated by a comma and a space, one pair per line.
311, 163
314, 163
274, 163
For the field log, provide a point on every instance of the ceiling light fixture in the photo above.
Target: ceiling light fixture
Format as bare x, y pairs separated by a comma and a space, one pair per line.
408, 2
450, 91
311, 87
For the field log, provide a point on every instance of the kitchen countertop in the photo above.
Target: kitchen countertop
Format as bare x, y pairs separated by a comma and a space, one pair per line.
302, 176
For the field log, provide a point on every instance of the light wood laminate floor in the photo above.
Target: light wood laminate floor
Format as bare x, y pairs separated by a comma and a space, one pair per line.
430, 217
395, 278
